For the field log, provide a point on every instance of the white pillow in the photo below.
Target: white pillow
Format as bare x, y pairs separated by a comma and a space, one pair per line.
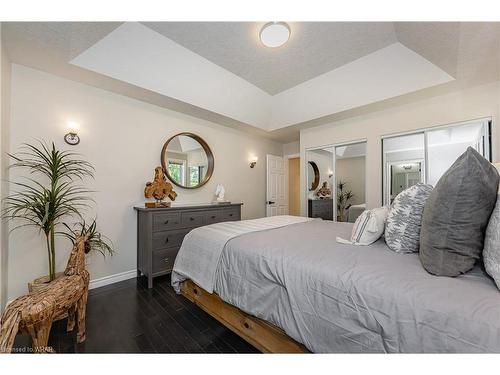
368, 227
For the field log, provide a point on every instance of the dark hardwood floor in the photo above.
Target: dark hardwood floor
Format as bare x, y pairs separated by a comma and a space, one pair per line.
127, 317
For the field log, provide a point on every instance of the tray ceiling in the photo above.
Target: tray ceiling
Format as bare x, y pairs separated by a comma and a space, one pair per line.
259, 84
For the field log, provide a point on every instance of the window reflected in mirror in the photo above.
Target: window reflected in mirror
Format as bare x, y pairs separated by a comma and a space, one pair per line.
188, 160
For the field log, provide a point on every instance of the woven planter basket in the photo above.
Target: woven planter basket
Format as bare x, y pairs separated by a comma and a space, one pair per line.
42, 282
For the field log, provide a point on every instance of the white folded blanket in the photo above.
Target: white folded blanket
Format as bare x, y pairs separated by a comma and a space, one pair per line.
201, 249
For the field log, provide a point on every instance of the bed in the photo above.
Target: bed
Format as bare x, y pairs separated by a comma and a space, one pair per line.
317, 295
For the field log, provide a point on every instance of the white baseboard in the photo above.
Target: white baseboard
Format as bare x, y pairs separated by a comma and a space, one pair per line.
111, 279
106, 280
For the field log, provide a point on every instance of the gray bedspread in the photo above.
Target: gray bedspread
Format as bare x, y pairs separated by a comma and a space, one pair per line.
342, 298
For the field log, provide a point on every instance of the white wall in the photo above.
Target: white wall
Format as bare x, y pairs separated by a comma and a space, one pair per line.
291, 148
5, 67
476, 102
122, 138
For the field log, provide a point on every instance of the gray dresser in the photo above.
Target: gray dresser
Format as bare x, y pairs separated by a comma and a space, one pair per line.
322, 208
160, 232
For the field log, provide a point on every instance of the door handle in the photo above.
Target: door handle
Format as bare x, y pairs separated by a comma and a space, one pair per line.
270, 202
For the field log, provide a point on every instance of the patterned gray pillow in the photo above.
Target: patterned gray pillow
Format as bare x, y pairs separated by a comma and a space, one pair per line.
402, 230
491, 251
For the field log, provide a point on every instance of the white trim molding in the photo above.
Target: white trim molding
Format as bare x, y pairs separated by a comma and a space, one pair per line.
111, 279
106, 280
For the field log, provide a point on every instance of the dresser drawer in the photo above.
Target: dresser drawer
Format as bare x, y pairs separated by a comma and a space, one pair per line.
230, 214
163, 260
165, 239
215, 216
192, 219
166, 221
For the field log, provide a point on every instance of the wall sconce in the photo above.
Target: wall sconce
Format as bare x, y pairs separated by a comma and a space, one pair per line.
72, 137
253, 161
330, 173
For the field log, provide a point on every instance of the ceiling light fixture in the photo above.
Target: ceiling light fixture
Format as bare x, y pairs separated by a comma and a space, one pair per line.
274, 34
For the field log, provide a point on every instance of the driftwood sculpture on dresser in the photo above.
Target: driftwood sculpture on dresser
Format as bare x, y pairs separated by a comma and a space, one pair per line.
159, 189
35, 312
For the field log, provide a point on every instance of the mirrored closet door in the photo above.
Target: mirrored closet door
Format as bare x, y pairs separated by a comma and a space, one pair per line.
350, 184
424, 156
336, 181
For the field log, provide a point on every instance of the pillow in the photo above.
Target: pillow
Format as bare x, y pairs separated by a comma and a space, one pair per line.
491, 251
402, 230
368, 227
456, 215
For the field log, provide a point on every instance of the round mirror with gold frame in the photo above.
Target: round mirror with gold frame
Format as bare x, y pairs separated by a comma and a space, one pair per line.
187, 160
313, 175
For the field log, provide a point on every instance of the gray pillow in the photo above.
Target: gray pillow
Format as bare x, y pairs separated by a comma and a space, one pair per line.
456, 215
402, 228
491, 251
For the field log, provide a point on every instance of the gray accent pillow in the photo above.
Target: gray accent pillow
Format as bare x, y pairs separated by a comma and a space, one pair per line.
402, 228
491, 251
456, 215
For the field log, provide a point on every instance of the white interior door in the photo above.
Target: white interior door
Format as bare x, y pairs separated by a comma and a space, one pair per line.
276, 195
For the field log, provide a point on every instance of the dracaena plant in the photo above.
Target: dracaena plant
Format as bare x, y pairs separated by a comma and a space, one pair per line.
49, 192
343, 199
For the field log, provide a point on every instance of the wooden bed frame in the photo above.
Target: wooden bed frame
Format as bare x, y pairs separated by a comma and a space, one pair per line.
261, 334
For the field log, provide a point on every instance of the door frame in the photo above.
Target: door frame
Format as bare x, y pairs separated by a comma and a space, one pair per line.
287, 177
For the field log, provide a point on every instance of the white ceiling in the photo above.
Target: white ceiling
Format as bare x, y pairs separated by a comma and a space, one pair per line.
467, 52
314, 48
135, 54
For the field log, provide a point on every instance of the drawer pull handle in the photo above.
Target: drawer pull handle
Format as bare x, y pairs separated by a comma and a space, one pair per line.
166, 222
166, 240
191, 218
195, 291
246, 325
212, 217
230, 214
166, 260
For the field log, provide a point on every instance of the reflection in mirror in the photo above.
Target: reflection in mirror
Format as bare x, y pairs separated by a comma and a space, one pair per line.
312, 175
319, 185
403, 164
350, 166
429, 153
404, 175
187, 160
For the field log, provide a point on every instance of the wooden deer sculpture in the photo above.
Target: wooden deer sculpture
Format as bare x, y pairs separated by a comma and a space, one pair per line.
34, 313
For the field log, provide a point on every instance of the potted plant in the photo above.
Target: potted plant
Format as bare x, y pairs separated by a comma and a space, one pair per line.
343, 199
49, 193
